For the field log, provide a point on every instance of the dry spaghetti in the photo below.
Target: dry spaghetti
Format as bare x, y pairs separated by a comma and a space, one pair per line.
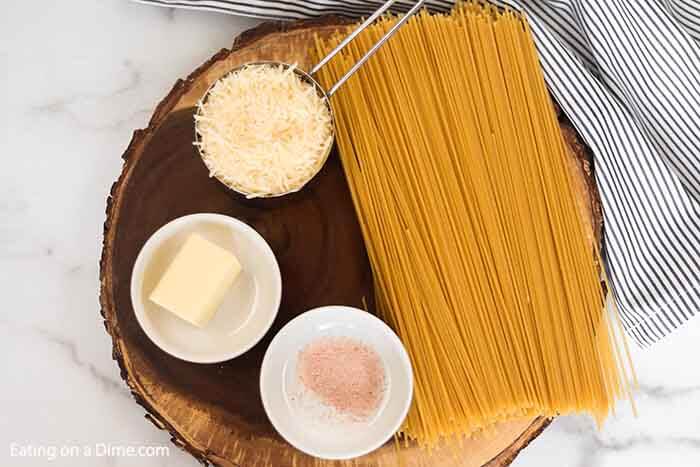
481, 259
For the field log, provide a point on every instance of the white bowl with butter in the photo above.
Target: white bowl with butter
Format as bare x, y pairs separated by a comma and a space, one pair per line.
191, 265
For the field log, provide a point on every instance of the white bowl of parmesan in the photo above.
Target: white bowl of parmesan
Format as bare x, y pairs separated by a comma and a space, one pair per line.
264, 129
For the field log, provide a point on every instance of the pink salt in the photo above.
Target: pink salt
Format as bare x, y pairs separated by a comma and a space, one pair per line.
344, 374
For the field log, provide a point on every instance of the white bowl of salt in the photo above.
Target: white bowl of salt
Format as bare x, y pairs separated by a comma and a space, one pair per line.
336, 382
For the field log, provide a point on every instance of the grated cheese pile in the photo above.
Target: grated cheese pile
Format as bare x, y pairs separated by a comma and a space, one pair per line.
263, 131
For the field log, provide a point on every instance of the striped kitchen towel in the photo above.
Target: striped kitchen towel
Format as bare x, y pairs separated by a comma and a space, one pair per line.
627, 74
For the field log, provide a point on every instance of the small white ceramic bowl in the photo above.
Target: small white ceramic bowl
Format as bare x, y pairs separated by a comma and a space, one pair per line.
248, 309
334, 439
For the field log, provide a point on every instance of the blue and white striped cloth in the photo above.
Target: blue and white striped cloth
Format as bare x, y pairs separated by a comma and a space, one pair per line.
627, 74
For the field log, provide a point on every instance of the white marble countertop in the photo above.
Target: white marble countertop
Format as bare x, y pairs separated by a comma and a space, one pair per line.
76, 78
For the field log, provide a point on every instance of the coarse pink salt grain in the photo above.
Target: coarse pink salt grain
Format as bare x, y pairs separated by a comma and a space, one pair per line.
343, 373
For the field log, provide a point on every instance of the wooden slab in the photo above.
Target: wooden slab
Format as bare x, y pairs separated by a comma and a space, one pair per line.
214, 411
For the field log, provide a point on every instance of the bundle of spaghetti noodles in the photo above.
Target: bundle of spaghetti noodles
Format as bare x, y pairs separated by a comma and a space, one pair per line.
481, 258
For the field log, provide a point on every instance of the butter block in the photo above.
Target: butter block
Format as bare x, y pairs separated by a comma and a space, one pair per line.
195, 283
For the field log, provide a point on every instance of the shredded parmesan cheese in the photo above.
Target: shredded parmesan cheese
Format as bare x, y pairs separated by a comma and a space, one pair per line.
263, 131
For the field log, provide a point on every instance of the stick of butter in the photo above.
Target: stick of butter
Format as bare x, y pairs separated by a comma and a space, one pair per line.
195, 283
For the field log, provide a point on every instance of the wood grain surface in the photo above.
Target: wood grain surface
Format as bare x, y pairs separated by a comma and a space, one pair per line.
214, 411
